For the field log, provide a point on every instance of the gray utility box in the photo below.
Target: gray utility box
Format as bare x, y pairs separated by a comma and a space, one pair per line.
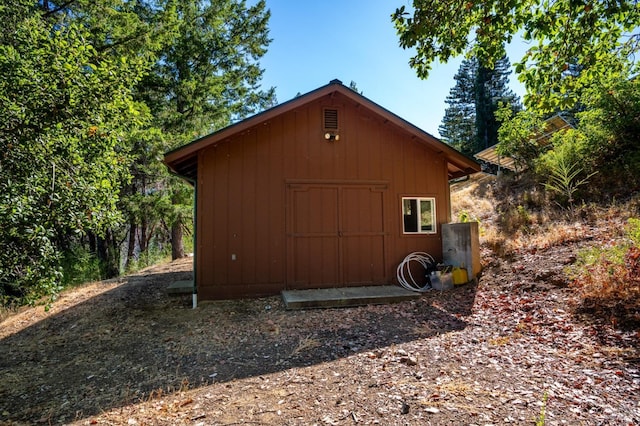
461, 247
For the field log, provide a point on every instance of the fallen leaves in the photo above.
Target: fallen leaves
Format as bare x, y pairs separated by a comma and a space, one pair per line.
493, 353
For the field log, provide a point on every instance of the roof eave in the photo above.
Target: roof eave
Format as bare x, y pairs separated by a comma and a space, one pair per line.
185, 153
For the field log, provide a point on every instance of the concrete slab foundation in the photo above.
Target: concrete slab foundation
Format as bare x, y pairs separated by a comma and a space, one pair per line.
344, 297
180, 287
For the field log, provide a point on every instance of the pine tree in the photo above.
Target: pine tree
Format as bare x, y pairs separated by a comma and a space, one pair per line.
469, 123
491, 89
458, 127
207, 76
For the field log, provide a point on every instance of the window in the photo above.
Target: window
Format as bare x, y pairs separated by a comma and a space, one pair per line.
419, 215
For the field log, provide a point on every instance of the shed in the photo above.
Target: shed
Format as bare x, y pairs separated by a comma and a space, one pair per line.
326, 190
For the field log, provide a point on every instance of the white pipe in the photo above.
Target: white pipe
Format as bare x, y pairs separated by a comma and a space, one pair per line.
425, 260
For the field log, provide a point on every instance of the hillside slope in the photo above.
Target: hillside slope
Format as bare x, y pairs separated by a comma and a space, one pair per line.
509, 349
541, 242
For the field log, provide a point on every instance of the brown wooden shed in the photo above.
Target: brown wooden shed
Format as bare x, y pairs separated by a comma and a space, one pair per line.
326, 190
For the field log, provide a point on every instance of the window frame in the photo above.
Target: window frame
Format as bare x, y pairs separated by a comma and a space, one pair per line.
418, 200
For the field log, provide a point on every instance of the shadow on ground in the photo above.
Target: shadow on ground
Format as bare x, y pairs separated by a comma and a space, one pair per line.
123, 345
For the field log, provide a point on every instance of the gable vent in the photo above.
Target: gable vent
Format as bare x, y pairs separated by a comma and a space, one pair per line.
330, 119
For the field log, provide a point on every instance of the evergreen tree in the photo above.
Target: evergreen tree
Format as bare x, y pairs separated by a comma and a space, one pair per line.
491, 89
469, 123
458, 127
206, 77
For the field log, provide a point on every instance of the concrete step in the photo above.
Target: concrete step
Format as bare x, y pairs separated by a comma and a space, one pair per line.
180, 287
346, 296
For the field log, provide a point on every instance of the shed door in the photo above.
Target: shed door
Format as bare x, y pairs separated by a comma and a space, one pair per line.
336, 235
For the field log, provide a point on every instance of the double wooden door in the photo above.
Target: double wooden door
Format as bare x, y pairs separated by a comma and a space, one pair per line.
335, 234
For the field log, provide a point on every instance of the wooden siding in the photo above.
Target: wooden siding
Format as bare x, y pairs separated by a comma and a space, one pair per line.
246, 202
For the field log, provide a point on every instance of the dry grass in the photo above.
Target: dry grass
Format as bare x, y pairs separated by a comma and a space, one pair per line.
515, 217
472, 199
610, 288
305, 344
519, 216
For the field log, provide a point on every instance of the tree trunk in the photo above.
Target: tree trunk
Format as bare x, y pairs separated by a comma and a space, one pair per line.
177, 246
142, 241
108, 256
133, 229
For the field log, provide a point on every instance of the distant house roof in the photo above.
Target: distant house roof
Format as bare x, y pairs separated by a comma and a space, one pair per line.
184, 160
552, 125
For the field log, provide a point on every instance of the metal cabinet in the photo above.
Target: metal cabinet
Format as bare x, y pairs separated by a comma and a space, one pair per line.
461, 247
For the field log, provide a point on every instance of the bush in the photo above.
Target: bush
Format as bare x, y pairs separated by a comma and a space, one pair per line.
608, 279
562, 168
29, 259
80, 266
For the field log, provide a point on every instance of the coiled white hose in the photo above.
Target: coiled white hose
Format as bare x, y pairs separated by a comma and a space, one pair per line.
404, 270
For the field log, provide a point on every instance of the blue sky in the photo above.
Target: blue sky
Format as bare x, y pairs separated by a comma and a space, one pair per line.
317, 41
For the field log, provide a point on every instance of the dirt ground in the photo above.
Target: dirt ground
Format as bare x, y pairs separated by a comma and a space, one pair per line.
507, 350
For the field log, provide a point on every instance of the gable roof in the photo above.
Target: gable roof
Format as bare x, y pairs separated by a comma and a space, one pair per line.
183, 161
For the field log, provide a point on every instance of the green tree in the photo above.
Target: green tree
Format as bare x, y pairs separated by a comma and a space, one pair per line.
207, 76
65, 108
608, 133
491, 90
470, 123
603, 151
573, 43
458, 127
518, 136
208, 72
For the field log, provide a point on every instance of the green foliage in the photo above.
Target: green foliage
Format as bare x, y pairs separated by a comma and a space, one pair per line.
93, 92
603, 151
207, 74
573, 45
633, 231
592, 256
491, 93
79, 266
206, 77
470, 123
562, 167
29, 259
542, 416
458, 127
464, 216
611, 128
65, 106
518, 136
152, 255
613, 255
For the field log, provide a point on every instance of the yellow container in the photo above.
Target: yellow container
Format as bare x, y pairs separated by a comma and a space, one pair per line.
460, 276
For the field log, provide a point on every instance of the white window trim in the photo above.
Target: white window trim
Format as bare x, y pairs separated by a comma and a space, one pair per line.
433, 215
